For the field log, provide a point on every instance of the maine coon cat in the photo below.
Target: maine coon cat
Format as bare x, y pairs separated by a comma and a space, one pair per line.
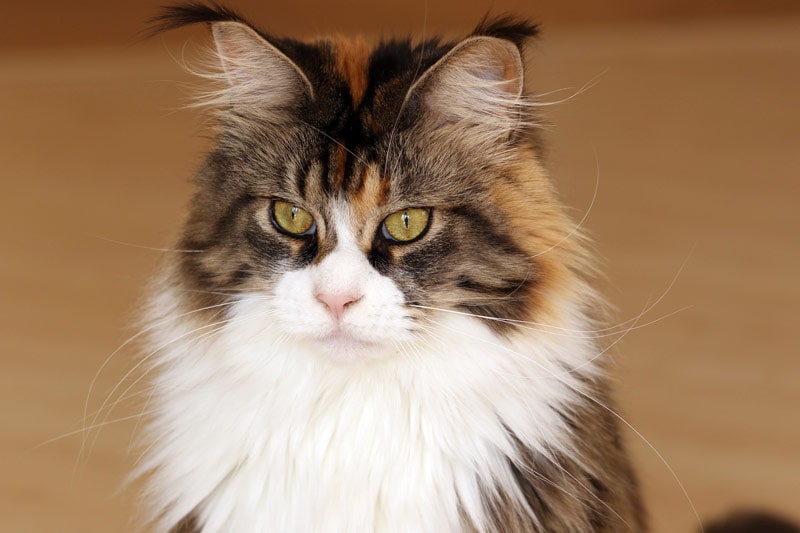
383, 319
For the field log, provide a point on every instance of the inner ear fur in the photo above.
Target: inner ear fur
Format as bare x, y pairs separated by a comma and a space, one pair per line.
479, 82
257, 73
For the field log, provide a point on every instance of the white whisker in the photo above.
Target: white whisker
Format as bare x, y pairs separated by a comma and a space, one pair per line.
403, 103
142, 246
128, 341
562, 331
654, 450
82, 430
585, 216
218, 327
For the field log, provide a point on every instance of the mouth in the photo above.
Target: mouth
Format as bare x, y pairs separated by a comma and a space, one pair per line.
345, 347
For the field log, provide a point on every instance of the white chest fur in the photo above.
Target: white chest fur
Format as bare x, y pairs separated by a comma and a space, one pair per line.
259, 433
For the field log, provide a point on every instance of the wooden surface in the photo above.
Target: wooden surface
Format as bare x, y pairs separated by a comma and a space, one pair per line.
693, 131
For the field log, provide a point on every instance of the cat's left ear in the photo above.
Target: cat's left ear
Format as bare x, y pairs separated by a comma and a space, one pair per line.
478, 84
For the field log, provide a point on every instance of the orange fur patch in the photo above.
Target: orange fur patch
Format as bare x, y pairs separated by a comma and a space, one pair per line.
370, 198
556, 248
352, 58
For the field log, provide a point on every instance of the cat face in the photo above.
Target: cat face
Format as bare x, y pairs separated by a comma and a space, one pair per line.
358, 192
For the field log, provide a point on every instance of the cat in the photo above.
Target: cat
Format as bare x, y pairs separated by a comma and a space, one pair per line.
382, 318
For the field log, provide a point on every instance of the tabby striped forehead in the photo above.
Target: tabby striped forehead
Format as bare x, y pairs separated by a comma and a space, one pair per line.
359, 99
359, 110
363, 138
352, 65
352, 133
357, 96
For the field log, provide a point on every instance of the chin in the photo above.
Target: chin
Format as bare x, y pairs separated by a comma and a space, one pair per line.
345, 349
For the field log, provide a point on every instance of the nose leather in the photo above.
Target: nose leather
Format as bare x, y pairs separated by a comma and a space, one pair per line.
337, 303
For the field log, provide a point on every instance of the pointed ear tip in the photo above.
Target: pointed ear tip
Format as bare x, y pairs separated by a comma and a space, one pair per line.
504, 47
489, 42
225, 28
500, 50
219, 29
506, 56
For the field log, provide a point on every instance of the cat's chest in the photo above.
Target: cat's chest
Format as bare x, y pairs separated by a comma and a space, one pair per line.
358, 464
262, 436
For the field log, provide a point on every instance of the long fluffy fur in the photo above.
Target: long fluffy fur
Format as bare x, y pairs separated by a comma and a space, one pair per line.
467, 392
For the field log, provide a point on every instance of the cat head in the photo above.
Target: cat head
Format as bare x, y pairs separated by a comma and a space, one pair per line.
356, 193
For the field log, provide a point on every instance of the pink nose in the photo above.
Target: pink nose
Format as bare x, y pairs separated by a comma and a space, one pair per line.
337, 302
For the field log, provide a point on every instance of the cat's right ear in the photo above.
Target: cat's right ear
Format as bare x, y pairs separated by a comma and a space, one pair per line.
258, 77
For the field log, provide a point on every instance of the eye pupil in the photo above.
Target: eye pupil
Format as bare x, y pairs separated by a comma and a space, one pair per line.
406, 219
294, 212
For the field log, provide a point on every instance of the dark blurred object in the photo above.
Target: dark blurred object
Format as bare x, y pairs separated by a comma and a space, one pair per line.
752, 522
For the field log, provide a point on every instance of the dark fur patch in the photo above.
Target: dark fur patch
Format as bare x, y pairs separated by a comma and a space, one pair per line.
187, 525
597, 494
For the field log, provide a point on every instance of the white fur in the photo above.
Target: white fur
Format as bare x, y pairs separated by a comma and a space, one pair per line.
265, 426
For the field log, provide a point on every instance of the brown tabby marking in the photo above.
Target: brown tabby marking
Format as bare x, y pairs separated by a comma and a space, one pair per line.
571, 493
557, 261
371, 197
187, 525
339, 166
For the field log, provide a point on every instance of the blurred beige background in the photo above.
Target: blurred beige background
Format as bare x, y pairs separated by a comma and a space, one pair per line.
691, 126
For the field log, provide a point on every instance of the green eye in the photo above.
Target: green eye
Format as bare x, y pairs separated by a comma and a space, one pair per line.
292, 219
406, 225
